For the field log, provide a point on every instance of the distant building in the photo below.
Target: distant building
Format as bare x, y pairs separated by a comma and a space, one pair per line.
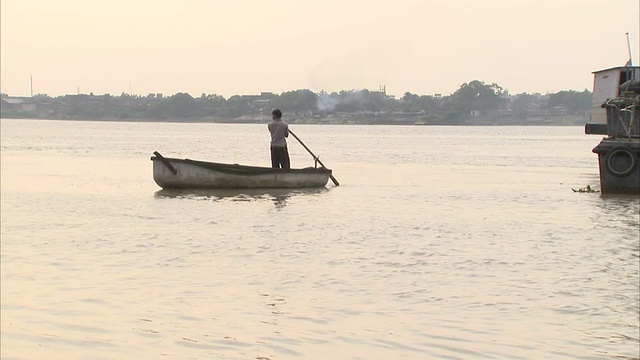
17, 104
261, 104
383, 91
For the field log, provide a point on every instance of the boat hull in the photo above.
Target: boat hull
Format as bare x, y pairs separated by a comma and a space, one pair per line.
616, 113
619, 166
171, 173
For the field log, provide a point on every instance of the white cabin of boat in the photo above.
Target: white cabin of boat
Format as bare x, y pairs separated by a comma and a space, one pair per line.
606, 85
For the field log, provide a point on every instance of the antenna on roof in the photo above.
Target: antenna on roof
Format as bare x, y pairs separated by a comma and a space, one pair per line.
630, 62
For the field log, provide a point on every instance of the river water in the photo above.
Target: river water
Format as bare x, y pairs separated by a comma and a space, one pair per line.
440, 243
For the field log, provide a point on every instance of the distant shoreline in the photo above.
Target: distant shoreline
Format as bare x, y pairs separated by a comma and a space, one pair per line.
347, 120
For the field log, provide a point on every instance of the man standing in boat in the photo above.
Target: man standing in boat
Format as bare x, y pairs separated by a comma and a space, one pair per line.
279, 132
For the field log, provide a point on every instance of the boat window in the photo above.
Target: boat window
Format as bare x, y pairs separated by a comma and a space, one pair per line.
624, 76
627, 74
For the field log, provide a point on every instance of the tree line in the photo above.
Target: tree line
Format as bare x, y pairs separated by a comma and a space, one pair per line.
473, 100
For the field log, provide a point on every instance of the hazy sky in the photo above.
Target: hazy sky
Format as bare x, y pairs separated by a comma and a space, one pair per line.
249, 46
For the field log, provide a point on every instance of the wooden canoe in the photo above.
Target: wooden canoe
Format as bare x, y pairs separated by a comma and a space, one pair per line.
171, 173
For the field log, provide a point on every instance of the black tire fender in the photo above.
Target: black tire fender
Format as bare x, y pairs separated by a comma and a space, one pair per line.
617, 152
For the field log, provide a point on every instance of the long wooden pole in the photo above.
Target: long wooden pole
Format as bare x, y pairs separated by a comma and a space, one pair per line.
314, 157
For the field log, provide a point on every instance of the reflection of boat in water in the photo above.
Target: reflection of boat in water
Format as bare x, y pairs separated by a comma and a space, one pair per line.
278, 196
170, 173
615, 113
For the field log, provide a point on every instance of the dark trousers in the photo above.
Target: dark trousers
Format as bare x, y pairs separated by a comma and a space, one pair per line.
280, 157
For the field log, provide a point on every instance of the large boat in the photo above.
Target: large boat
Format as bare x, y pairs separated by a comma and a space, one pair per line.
616, 113
171, 173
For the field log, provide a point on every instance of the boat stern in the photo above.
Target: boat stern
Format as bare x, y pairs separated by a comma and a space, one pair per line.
619, 166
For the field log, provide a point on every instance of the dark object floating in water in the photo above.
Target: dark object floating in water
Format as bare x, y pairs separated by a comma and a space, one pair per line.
586, 189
